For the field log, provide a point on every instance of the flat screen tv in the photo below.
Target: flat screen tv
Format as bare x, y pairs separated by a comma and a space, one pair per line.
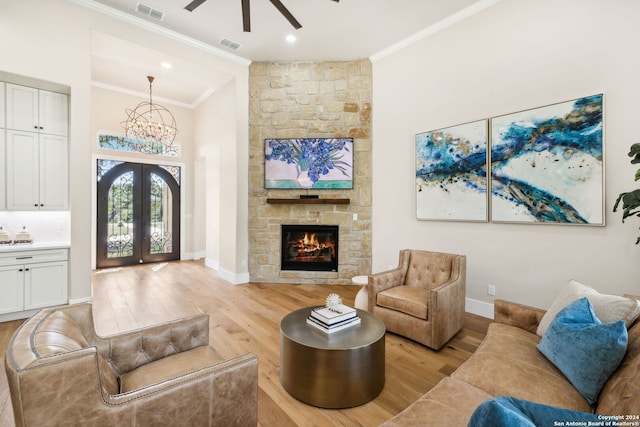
308, 163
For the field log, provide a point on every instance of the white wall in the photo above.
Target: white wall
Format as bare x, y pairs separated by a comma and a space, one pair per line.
223, 178
51, 40
214, 125
512, 56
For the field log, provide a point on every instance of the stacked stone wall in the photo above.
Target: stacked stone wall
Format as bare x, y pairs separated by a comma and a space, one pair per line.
300, 100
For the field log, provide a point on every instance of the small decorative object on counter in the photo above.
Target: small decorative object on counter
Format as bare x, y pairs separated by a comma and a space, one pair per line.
5, 239
23, 236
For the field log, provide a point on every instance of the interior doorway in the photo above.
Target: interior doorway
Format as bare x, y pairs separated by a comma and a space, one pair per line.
138, 213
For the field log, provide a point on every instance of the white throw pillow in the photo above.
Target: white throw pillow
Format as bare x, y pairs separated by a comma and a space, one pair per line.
608, 308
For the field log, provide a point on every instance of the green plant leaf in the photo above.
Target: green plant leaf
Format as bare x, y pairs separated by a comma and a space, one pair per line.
631, 199
635, 153
615, 206
630, 203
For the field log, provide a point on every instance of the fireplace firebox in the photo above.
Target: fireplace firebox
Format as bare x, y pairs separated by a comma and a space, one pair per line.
309, 247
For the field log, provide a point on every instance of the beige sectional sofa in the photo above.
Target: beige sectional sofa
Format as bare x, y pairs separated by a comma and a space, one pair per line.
507, 363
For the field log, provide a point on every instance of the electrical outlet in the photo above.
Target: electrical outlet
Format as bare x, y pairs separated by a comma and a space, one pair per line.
491, 290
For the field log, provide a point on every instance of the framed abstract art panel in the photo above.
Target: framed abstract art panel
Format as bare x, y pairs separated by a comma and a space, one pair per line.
547, 164
451, 173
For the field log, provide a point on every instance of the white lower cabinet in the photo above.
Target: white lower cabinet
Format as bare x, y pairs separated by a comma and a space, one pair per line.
33, 279
11, 289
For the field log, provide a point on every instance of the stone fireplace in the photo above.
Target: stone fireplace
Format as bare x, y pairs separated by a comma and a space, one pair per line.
299, 100
309, 247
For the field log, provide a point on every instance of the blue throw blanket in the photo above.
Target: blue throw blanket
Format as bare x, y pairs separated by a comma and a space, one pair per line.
511, 412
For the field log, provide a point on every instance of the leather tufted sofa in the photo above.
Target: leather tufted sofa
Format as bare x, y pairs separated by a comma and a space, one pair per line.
423, 298
507, 363
61, 373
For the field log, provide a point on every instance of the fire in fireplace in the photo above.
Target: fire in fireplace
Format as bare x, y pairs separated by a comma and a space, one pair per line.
309, 247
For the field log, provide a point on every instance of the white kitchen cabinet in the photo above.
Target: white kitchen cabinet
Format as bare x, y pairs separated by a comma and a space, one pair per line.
34, 148
45, 284
22, 107
37, 171
35, 110
2, 107
54, 172
11, 289
3, 199
33, 279
23, 191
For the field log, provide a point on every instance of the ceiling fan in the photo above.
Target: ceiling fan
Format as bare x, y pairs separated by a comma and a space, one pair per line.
246, 18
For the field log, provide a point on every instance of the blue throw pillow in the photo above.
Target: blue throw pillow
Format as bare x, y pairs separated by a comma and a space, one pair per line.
506, 411
586, 350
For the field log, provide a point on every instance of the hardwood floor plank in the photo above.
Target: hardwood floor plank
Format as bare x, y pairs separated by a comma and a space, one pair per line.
272, 414
246, 318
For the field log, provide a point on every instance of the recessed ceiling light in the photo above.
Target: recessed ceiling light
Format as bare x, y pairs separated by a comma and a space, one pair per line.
291, 38
166, 65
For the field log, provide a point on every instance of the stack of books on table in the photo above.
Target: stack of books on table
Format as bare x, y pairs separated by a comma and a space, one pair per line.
333, 319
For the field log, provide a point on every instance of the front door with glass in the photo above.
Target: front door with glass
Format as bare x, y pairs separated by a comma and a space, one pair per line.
138, 213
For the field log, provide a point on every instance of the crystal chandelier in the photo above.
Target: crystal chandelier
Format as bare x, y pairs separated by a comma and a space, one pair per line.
151, 123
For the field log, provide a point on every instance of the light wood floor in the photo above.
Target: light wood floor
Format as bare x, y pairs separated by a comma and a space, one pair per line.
246, 318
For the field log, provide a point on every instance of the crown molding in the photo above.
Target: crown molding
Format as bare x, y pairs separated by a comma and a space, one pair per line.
432, 29
155, 28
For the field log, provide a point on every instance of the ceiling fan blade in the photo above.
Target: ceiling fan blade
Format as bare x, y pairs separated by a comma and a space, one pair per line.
195, 3
285, 12
337, 1
246, 17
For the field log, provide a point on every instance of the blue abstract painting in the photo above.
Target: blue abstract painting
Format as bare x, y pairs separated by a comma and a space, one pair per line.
451, 173
547, 164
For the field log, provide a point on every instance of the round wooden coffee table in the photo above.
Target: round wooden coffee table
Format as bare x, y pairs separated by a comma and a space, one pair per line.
337, 370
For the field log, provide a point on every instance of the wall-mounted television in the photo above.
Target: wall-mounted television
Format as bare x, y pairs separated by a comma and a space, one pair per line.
308, 163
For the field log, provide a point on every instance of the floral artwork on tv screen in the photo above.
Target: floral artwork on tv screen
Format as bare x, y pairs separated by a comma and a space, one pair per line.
308, 163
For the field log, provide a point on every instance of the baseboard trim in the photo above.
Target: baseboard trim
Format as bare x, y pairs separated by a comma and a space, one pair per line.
211, 263
479, 308
25, 314
18, 315
235, 278
193, 255
229, 276
80, 300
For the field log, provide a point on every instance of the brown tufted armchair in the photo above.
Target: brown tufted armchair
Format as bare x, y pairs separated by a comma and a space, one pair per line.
61, 373
423, 298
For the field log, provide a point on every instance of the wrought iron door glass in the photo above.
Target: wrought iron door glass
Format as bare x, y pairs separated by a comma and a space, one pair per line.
120, 217
161, 216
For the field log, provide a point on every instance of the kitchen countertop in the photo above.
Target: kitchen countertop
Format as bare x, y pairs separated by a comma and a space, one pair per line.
36, 246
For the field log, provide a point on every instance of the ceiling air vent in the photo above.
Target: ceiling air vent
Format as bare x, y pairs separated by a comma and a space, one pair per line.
229, 44
149, 11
